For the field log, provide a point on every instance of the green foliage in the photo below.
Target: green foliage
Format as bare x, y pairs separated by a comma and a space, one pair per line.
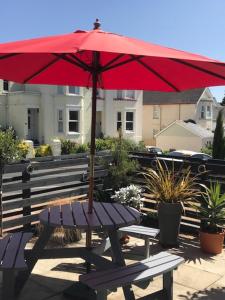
81, 148
207, 150
68, 147
218, 151
212, 209
9, 150
104, 144
121, 169
23, 148
43, 150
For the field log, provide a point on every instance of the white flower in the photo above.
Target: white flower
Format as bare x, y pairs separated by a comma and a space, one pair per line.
130, 195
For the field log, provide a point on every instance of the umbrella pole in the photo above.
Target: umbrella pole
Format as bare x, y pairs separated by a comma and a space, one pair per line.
92, 149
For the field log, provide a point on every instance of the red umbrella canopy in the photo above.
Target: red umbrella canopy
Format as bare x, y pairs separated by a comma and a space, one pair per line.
124, 63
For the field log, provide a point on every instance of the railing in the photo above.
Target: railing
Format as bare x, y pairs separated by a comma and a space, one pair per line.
28, 187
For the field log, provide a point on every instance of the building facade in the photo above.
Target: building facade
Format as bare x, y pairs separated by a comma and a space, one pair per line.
43, 112
162, 109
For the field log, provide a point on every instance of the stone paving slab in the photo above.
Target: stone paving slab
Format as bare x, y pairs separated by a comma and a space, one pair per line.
201, 277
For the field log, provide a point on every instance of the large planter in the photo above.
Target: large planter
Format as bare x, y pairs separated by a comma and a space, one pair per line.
211, 242
169, 223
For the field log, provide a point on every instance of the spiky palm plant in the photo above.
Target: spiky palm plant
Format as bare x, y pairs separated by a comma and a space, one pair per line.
212, 209
171, 186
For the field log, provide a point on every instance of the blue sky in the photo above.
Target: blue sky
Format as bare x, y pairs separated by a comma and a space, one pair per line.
192, 25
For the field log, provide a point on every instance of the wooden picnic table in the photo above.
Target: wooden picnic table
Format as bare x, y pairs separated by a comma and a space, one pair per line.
106, 217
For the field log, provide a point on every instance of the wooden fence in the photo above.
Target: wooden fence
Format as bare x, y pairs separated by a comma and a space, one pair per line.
29, 186
209, 171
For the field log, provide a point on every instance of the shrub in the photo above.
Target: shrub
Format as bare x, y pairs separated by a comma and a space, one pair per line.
68, 147
104, 144
130, 195
23, 148
43, 150
9, 150
81, 148
207, 150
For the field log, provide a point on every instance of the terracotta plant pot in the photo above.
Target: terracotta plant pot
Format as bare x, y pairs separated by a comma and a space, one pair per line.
211, 242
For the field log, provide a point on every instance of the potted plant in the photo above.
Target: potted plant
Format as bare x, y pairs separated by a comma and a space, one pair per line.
171, 189
212, 214
131, 196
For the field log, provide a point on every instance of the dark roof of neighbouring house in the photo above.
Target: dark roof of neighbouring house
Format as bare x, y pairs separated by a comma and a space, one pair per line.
186, 97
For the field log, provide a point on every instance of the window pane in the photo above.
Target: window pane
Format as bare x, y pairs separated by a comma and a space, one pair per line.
129, 126
120, 94
60, 115
155, 112
73, 115
129, 116
74, 90
60, 89
73, 127
5, 85
60, 126
130, 94
119, 117
119, 125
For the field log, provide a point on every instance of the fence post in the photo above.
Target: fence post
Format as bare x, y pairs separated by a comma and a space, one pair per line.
26, 193
1, 203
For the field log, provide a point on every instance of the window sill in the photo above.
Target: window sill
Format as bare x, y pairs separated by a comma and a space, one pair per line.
73, 133
124, 99
129, 131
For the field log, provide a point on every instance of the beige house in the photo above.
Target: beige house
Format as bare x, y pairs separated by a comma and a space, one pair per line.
43, 112
185, 136
162, 109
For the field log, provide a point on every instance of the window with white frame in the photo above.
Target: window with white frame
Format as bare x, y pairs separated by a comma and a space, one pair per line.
60, 120
73, 90
5, 85
73, 120
208, 112
129, 121
100, 94
60, 89
119, 120
126, 94
156, 112
203, 112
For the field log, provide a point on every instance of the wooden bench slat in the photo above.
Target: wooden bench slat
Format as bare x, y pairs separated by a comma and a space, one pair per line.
20, 262
67, 216
3, 245
127, 216
102, 215
78, 215
54, 215
11, 251
144, 270
113, 213
92, 218
137, 230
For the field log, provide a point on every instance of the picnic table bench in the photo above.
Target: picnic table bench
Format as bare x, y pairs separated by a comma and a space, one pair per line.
162, 263
12, 260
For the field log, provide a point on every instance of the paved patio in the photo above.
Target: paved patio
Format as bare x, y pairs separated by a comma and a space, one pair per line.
201, 277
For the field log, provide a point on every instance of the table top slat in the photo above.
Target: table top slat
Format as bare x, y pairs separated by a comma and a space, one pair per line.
92, 218
134, 212
67, 215
127, 216
3, 244
102, 215
11, 251
78, 214
113, 213
20, 262
44, 216
55, 215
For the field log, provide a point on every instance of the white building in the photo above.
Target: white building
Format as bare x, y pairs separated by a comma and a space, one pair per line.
185, 136
43, 112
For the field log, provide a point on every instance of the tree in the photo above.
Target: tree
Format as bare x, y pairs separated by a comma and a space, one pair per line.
223, 101
218, 140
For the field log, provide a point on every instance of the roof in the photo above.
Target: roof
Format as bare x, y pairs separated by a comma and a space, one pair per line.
186, 97
193, 128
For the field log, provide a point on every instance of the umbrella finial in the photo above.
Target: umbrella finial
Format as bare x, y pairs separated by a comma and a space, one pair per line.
97, 24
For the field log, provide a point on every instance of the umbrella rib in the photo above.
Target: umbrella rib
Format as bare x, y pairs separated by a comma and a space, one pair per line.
80, 62
198, 68
9, 55
72, 62
122, 63
158, 75
41, 70
112, 61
